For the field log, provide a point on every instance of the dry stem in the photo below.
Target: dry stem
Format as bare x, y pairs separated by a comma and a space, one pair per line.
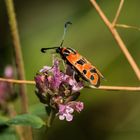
17, 81
100, 88
117, 37
127, 26
18, 52
117, 88
118, 12
18, 59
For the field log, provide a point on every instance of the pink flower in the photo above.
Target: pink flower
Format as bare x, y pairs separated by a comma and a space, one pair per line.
59, 90
41, 83
76, 86
8, 72
7, 93
52, 78
66, 110
45, 68
79, 106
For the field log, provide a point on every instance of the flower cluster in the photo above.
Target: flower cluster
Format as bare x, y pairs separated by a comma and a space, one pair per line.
6, 89
58, 90
65, 111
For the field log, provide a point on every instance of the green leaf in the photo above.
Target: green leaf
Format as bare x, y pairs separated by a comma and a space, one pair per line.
27, 120
8, 134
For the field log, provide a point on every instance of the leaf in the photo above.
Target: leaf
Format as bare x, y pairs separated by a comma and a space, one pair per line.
8, 134
27, 120
3, 125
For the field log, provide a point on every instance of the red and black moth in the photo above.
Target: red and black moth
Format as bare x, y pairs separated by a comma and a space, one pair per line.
78, 63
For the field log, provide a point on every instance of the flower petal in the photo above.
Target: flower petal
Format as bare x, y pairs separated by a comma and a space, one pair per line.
45, 68
79, 106
69, 117
8, 72
69, 109
61, 117
62, 108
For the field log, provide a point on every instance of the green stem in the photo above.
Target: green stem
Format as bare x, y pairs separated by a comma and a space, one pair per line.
51, 118
18, 52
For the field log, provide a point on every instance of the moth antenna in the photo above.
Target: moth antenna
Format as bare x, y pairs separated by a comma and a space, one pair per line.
65, 30
43, 50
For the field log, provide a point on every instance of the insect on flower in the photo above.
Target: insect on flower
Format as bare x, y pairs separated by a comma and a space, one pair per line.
81, 66
58, 91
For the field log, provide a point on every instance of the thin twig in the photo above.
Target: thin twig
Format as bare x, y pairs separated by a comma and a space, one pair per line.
127, 26
116, 88
17, 81
117, 39
118, 12
100, 88
18, 52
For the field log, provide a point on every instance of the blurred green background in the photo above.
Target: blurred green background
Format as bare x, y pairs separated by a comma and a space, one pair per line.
108, 115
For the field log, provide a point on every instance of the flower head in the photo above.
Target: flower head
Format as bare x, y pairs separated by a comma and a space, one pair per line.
8, 72
59, 90
66, 110
7, 93
57, 77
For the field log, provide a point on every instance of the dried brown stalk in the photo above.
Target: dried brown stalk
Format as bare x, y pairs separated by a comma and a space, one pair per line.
17, 81
18, 52
118, 12
117, 88
127, 26
100, 88
116, 36
18, 59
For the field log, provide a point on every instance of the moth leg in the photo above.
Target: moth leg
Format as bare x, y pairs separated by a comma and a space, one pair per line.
70, 71
54, 56
73, 97
64, 64
74, 74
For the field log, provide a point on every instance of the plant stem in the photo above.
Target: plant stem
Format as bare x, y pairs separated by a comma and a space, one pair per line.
127, 26
116, 88
51, 118
118, 12
123, 88
117, 38
17, 81
19, 60
18, 52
